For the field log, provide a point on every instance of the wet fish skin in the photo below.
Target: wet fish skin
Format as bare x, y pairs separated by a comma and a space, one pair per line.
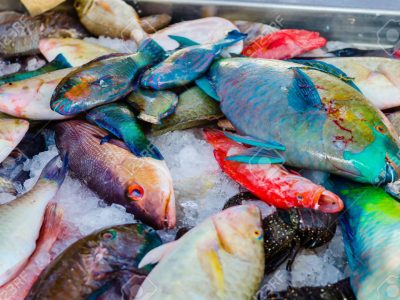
121, 122
142, 185
153, 105
22, 218
194, 109
152, 23
344, 127
221, 258
12, 132
103, 80
92, 264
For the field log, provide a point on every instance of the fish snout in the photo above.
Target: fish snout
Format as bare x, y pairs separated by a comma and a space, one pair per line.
326, 201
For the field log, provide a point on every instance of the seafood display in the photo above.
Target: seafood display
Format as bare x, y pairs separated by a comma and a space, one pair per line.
145, 154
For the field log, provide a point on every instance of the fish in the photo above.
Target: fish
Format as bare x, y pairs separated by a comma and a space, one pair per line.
58, 63
376, 77
272, 183
370, 227
19, 287
186, 65
194, 109
313, 116
154, 106
38, 7
350, 52
152, 23
254, 30
394, 119
12, 132
103, 80
90, 265
30, 98
21, 36
142, 185
77, 52
208, 30
221, 258
112, 18
22, 218
284, 44
121, 122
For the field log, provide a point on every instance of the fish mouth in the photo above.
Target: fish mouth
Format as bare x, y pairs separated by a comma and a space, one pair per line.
169, 214
392, 170
327, 202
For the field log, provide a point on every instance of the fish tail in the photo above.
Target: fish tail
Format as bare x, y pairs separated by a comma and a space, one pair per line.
231, 38
54, 170
152, 51
51, 227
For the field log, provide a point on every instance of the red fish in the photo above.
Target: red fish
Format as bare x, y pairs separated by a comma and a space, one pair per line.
273, 183
284, 44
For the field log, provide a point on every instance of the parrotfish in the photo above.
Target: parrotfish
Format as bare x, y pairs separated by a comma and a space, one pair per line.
89, 268
284, 44
203, 31
143, 185
194, 109
371, 226
315, 113
270, 182
30, 98
153, 105
221, 258
121, 122
152, 23
22, 218
103, 80
58, 63
12, 131
187, 64
76, 52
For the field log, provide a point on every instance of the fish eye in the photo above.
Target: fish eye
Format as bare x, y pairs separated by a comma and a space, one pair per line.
135, 192
380, 129
299, 197
110, 235
257, 234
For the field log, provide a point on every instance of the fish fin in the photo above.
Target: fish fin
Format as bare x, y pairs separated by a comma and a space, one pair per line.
231, 38
152, 50
248, 140
211, 264
105, 139
146, 149
329, 69
54, 171
302, 94
59, 62
106, 56
348, 238
183, 41
257, 155
206, 86
292, 255
51, 228
155, 255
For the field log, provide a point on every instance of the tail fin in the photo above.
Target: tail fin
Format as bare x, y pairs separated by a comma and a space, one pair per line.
54, 170
152, 50
51, 227
144, 149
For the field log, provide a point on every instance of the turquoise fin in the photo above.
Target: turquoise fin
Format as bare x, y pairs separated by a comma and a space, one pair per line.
248, 140
183, 42
257, 155
207, 87
58, 63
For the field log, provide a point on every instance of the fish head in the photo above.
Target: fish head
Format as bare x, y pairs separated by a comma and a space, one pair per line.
240, 233
150, 193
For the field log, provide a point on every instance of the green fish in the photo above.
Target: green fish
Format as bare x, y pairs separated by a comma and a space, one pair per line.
194, 109
153, 105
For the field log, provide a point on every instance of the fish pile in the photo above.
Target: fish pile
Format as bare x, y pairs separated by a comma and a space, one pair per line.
303, 133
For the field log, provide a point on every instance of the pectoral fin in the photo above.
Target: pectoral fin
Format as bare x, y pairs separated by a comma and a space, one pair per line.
248, 140
207, 87
183, 41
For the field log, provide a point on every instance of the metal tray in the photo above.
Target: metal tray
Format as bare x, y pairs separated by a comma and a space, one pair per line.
370, 24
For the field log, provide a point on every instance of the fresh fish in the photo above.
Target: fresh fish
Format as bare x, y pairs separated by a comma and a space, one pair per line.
87, 268
378, 78
19, 287
221, 258
254, 30
187, 64
152, 23
21, 36
121, 122
194, 109
370, 227
225, 125
38, 7
284, 44
153, 105
338, 291
12, 132
209, 30
30, 98
321, 119
103, 80
58, 63
350, 52
22, 218
270, 182
76, 52
394, 119
142, 185
113, 18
